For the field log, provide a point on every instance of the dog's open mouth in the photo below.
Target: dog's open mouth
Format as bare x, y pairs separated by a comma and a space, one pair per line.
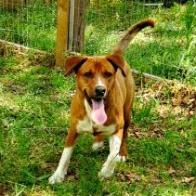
98, 113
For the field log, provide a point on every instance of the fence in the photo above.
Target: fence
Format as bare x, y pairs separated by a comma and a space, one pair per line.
29, 22
167, 51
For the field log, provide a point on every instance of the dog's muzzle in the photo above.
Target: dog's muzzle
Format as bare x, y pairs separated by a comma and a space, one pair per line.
100, 92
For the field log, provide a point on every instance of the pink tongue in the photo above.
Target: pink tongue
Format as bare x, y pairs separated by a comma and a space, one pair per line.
98, 114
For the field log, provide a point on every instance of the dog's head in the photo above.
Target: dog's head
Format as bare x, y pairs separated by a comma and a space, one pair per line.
95, 76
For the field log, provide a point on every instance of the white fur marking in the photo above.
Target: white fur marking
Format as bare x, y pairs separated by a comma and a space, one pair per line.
97, 145
121, 158
61, 170
100, 83
109, 166
87, 125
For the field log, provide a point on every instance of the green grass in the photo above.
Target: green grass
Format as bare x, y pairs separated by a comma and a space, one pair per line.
35, 103
34, 117
163, 51
159, 51
33, 25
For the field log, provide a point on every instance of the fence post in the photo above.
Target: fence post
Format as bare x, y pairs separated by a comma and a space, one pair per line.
62, 31
76, 25
70, 28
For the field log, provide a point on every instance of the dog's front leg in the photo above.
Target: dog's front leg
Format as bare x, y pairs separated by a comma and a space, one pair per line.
114, 143
61, 170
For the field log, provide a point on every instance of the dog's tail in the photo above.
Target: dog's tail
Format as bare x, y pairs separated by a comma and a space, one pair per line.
131, 33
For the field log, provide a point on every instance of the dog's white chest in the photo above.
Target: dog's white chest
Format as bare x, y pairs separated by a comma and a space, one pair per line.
87, 125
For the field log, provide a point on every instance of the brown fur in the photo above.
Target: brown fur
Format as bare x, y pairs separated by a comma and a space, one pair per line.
131, 33
117, 77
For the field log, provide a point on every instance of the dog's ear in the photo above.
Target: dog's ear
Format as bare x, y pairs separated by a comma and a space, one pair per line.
73, 63
117, 61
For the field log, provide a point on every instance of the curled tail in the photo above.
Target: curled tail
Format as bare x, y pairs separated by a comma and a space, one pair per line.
131, 33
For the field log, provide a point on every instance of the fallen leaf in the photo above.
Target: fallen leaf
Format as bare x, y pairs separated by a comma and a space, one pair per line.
188, 179
163, 110
171, 170
176, 101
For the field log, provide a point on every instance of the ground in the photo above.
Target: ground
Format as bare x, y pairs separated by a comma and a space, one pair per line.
35, 102
34, 117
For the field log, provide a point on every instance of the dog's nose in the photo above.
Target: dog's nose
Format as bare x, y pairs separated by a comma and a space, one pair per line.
100, 91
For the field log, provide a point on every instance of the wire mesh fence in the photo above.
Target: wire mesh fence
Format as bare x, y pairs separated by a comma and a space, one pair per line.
29, 22
167, 51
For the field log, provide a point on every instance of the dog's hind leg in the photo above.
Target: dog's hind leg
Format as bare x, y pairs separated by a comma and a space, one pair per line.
61, 170
123, 149
98, 142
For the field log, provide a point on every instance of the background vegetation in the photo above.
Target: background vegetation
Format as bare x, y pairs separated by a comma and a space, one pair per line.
172, 40
35, 102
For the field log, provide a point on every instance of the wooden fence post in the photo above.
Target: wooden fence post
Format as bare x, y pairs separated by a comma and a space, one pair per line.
77, 25
62, 31
70, 28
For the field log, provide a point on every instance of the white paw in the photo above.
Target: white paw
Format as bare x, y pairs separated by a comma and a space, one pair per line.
98, 146
121, 158
106, 172
57, 177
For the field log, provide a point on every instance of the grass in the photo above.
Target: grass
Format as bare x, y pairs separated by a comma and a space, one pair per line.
35, 103
162, 51
105, 23
34, 117
33, 25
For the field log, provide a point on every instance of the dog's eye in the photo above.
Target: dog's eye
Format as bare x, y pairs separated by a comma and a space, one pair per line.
107, 74
88, 74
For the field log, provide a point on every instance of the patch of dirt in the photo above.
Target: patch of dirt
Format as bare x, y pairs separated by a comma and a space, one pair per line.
153, 131
174, 98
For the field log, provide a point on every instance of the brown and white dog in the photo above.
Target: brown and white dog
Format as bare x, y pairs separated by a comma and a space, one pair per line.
101, 104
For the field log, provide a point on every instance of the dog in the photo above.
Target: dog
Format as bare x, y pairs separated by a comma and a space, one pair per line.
102, 103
